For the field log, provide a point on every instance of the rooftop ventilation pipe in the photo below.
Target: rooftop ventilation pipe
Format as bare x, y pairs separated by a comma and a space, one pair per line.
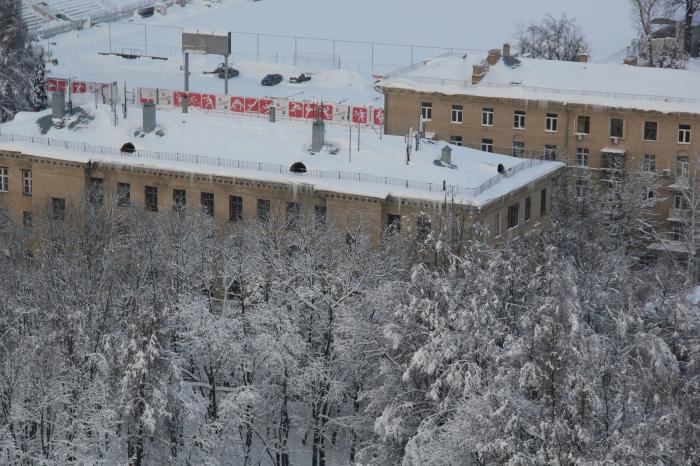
149, 117
317, 135
58, 104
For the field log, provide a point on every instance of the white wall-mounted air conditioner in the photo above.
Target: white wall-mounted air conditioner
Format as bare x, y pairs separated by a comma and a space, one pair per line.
666, 172
579, 136
615, 140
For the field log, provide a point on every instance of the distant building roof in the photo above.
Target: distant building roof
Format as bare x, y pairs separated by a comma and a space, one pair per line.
625, 86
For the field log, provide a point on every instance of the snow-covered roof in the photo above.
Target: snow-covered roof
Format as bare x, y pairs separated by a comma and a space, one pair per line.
608, 85
255, 148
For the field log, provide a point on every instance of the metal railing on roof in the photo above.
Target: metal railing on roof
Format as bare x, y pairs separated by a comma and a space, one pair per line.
222, 162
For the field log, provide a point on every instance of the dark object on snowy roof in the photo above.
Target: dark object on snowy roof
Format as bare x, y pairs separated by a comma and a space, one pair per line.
298, 167
147, 12
511, 62
302, 78
128, 148
501, 169
272, 79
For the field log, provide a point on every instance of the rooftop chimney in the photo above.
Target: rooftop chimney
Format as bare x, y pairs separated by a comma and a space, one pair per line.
494, 55
582, 58
446, 155
58, 104
149, 117
506, 50
630, 61
317, 136
478, 73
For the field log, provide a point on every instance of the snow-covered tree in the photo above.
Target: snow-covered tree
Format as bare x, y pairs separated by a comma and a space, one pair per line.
552, 39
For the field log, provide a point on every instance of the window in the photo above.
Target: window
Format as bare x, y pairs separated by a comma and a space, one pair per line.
498, 224
263, 209
96, 194
151, 198
58, 208
583, 125
292, 214
519, 119
207, 203
649, 163
4, 180
320, 215
457, 114
543, 202
518, 148
677, 232
550, 122
235, 208
393, 222
487, 145
27, 219
528, 208
123, 194
486, 117
423, 227
426, 111
513, 212
456, 140
617, 126
650, 130
681, 202
682, 166
582, 155
684, 134
27, 182
179, 199
550, 152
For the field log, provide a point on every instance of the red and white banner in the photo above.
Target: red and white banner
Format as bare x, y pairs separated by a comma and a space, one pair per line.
302, 110
76, 87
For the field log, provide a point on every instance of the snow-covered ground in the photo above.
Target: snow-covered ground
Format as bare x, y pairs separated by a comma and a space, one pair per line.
444, 23
285, 143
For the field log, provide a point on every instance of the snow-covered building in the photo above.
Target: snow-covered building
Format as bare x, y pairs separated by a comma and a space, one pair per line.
240, 168
587, 115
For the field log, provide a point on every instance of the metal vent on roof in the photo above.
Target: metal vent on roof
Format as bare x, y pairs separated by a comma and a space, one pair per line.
298, 167
511, 62
129, 148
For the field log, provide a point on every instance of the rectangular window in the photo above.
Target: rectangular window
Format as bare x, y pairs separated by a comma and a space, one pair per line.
551, 122
456, 140
423, 227
617, 127
426, 111
58, 208
393, 222
207, 203
123, 194
4, 180
263, 210
582, 155
320, 215
27, 219
497, 221
518, 148
486, 117
684, 134
677, 232
96, 194
528, 208
583, 125
27, 182
650, 130
292, 214
235, 208
649, 163
179, 199
457, 114
487, 145
513, 213
151, 193
518, 119
543, 202
681, 202
550, 152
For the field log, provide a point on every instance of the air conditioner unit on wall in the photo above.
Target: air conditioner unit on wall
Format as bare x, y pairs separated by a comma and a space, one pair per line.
579, 136
666, 172
615, 140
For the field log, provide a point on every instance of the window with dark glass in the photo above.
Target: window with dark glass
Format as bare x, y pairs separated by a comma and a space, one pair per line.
235, 208
457, 113
393, 222
513, 212
487, 145
487, 117
123, 194
179, 199
263, 210
27, 182
151, 195
27, 219
543, 202
617, 126
293, 213
528, 208
426, 111
208, 203
96, 194
550, 152
320, 214
650, 130
519, 119
456, 140
518, 148
583, 125
58, 208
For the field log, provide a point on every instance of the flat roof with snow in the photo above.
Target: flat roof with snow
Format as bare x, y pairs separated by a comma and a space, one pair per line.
621, 86
257, 149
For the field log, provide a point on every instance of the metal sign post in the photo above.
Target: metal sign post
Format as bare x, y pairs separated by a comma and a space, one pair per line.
207, 43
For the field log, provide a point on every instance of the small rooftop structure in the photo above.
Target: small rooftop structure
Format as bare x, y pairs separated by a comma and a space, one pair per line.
202, 143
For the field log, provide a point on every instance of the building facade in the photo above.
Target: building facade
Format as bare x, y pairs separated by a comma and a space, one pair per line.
33, 186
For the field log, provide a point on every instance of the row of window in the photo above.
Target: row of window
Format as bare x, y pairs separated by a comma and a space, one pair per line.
26, 181
551, 123
513, 216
